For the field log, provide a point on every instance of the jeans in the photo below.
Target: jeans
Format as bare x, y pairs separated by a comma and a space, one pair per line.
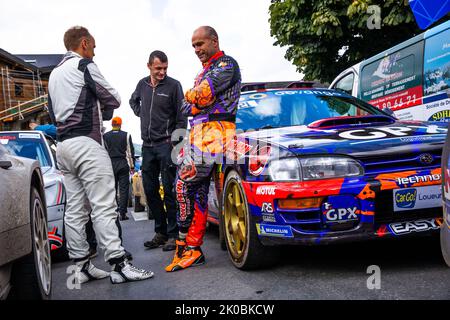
157, 160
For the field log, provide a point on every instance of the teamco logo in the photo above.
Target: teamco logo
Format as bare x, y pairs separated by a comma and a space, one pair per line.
406, 199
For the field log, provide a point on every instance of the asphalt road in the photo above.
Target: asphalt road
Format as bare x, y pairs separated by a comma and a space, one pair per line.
410, 269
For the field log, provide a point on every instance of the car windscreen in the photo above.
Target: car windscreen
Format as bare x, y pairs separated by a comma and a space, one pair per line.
27, 145
274, 109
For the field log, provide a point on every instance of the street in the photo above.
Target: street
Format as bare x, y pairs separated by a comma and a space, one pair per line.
410, 269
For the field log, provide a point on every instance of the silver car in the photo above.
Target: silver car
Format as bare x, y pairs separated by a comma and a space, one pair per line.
25, 262
37, 146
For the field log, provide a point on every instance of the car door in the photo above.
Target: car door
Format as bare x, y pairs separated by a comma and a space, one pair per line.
14, 207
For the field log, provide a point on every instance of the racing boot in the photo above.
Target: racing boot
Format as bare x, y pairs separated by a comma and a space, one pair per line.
85, 271
192, 257
124, 271
181, 245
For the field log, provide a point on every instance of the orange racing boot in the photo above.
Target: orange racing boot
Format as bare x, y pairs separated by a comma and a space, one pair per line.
181, 245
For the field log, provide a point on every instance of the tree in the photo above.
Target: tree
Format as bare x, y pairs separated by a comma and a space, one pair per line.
324, 37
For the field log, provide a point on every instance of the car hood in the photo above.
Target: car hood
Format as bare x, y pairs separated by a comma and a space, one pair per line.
357, 141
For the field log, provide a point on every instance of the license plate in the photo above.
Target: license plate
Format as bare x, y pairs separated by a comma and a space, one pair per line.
417, 198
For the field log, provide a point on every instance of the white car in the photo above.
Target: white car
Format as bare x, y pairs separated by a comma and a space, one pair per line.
37, 146
25, 262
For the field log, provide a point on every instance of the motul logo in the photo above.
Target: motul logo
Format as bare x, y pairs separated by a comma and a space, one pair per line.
265, 191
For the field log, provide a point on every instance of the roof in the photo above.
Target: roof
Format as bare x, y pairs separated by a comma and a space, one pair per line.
42, 60
5, 55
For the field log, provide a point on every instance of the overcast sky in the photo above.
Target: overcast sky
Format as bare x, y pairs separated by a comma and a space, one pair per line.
127, 31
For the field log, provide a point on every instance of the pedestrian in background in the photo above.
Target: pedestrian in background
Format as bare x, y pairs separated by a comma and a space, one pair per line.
157, 101
121, 151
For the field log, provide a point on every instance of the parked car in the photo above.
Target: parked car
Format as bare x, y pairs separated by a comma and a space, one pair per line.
322, 167
37, 146
25, 261
445, 229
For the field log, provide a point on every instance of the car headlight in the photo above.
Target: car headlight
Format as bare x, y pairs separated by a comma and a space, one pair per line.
330, 167
285, 169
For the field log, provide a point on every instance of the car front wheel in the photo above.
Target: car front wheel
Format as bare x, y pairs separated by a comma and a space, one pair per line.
32, 275
241, 238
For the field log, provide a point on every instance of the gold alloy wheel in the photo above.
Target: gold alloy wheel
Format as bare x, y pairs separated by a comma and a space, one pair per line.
235, 219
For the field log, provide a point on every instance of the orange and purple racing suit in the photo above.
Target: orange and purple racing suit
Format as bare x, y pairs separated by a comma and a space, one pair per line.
213, 105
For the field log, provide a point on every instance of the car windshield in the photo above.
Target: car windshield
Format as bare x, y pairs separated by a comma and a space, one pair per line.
282, 108
27, 145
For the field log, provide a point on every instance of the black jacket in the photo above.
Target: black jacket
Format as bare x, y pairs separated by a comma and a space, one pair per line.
120, 146
159, 109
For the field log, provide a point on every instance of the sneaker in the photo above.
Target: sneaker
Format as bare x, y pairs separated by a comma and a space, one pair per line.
180, 246
157, 241
192, 257
126, 272
86, 271
170, 245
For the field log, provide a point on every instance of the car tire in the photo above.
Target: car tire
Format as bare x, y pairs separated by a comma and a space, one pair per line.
246, 251
31, 276
138, 207
445, 243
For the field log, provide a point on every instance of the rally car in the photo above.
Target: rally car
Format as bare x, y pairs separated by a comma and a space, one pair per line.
35, 145
316, 166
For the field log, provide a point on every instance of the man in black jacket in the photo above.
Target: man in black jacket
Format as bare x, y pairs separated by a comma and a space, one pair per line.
157, 101
121, 151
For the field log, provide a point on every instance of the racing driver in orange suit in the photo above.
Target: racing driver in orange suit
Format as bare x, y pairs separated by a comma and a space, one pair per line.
212, 103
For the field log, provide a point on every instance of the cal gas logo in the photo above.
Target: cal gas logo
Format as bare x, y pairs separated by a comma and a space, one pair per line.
406, 199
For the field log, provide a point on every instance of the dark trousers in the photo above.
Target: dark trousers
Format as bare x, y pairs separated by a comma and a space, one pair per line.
122, 183
155, 161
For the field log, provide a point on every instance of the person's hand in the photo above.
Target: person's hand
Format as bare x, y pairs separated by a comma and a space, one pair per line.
33, 125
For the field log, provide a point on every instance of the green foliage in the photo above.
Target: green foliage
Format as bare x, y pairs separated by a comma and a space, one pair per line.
324, 37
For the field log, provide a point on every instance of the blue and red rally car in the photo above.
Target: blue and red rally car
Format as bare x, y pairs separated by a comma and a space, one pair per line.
316, 166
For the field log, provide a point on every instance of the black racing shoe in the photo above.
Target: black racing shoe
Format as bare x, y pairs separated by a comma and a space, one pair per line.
126, 272
157, 241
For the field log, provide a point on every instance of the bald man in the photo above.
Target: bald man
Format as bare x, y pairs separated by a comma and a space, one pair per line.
212, 103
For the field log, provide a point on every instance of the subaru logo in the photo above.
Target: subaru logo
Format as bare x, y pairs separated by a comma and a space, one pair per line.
426, 158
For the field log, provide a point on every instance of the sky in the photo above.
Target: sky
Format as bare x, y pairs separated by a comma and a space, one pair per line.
127, 31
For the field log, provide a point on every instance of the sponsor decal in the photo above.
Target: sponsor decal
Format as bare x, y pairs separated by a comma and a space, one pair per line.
236, 149
275, 231
443, 116
29, 136
406, 199
258, 160
402, 228
268, 218
266, 191
340, 209
447, 184
4, 140
341, 214
181, 200
419, 179
267, 207
426, 158
387, 132
417, 198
